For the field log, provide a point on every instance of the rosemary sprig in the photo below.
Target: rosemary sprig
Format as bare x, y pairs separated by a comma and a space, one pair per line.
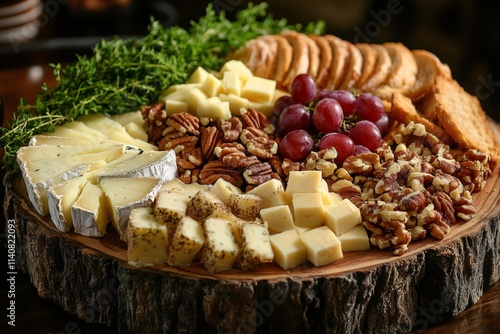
123, 75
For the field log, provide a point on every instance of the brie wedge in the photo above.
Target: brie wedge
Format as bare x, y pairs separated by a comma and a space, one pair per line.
89, 214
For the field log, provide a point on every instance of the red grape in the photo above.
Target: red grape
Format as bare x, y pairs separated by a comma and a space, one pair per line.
303, 88
346, 100
369, 107
367, 134
383, 124
328, 116
281, 103
294, 117
342, 143
296, 145
358, 149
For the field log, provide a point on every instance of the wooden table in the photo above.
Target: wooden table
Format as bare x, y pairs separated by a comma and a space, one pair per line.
34, 314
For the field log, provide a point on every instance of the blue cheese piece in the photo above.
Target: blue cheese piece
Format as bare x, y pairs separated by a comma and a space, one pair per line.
89, 214
125, 194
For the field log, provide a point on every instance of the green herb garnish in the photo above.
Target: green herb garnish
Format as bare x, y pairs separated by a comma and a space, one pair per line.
123, 75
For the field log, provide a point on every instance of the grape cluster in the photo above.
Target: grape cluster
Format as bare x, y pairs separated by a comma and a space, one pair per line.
328, 118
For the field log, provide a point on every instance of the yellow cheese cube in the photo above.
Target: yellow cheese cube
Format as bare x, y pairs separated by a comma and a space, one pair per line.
231, 83
272, 193
239, 67
279, 218
179, 95
193, 97
211, 86
175, 107
301, 230
289, 250
323, 246
235, 102
264, 107
355, 239
213, 108
303, 182
223, 190
342, 216
258, 89
198, 76
308, 209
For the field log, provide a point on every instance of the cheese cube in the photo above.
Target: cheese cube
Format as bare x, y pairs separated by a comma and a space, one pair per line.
245, 206
264, 107
235, 102
308, 209
304, 182
301, 230
289, 250
231, 83
171, 206
193, 188
223, 189
255, 246
272, 193
331, 198
198, 76
203, 204
279, 218
239, 67
258, 89
342, 216
193, 97
174, 184
89, 214
220, 250
146, 238
211, 86
213, 108
175, 107
186, 242
178, 95
355, 239
323, 246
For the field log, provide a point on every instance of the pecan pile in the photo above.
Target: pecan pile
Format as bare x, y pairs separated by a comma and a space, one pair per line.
414, 185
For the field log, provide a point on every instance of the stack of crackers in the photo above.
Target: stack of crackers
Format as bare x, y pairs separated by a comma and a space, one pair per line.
414, 84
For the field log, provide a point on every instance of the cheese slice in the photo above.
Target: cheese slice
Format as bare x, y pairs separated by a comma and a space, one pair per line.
47, 152
323, 246
61, 131
125, 194
83, 128
38, 140
136, 131
89, 214
60, 200
126, 118
146, 239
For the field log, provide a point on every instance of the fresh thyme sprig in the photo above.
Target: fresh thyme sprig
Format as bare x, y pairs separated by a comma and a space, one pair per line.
123, 75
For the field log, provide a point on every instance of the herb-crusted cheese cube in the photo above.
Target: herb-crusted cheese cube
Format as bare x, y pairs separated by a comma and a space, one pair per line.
223, 189
323, 246
308, 209
234, 221
279, 218
203, 204
255, 246
355, 239
146, 238
258, 89
245, 206
186, 242
272, 193
220, 250
342, 216
289, 251
171, 205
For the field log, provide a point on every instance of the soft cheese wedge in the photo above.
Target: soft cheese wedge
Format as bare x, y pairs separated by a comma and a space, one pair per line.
125, 194
146, 239
89, 214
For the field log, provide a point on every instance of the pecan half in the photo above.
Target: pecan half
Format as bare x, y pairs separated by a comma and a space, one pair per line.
185, 123
215, 170
253, 118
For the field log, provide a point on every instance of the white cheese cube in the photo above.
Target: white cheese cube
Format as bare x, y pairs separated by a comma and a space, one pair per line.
323, 246
198, 76
308, 209
289, 251
220, 250
239, 67
146, 239
231, 83
355, 239
193, 97
272, 193
342, 216
223, 189
258, 89
213, 108
60, 200
89, 214
304, 182
186, 242
279, 218
211, 86
255, 246
177, 96
245, 206
236, 103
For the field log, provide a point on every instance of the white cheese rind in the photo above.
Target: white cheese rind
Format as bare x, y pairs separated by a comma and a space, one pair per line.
89, 214
60, 200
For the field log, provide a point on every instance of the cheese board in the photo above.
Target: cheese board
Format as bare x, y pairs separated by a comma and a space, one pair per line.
371, 291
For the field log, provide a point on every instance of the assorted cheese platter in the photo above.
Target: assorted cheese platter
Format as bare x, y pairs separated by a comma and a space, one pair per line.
292, 187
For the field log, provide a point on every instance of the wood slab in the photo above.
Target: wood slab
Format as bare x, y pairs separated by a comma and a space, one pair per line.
369, 292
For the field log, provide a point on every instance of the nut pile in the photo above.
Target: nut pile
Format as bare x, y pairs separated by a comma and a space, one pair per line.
414, 185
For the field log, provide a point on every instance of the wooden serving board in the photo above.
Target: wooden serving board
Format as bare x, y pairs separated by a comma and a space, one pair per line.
369, 292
